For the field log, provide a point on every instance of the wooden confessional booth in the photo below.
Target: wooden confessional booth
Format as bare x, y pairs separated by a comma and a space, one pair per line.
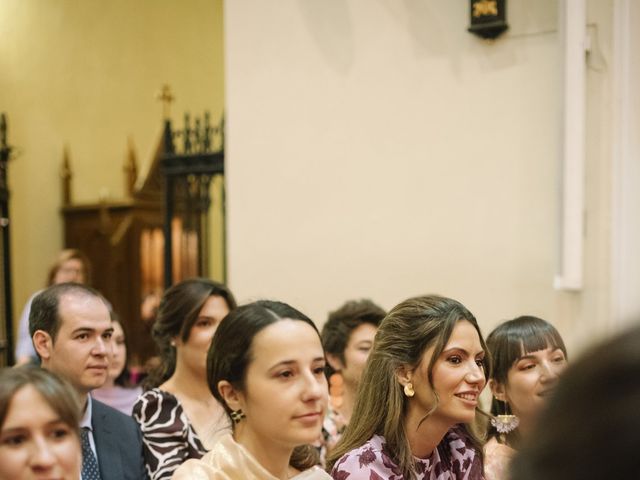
158, 236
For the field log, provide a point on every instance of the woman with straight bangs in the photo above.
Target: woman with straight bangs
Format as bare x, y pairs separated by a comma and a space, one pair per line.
178, 416
266, 368
528, 357
39, 418
590, 429
418, 397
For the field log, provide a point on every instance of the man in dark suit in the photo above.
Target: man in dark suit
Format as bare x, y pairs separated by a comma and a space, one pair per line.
71, 328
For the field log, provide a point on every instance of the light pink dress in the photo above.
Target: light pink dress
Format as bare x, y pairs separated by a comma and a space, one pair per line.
497, 457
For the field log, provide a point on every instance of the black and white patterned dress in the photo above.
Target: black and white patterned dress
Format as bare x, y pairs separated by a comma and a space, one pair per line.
169, 439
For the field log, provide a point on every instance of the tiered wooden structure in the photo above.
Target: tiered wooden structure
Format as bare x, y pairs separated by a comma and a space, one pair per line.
124, 241
156, 237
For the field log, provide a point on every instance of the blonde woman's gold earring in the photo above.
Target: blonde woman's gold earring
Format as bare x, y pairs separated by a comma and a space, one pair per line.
408, 390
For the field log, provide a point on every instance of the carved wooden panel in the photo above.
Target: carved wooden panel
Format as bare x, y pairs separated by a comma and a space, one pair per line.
113, 236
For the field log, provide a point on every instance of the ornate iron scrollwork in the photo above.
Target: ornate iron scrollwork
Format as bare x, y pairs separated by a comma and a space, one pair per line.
193, 156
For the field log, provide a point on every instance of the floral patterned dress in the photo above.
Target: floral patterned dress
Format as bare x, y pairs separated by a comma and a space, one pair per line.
455, 458
332, 428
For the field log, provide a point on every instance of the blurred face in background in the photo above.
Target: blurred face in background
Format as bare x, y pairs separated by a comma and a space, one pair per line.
356, 353
35, 443
118, 359
71, 270
193, 352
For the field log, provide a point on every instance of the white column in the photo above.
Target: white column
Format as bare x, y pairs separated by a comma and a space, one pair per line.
625, 231
571, 242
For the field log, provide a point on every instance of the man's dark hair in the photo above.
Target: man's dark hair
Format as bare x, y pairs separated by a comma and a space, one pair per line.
45, 314
342, 322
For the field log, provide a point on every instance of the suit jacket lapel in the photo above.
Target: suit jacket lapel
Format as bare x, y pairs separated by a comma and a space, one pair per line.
109, 460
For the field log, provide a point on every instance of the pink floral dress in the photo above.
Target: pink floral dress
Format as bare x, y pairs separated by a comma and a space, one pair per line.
455, 458
332, 428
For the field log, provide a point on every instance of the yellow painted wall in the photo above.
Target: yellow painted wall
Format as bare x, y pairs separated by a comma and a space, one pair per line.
85, 73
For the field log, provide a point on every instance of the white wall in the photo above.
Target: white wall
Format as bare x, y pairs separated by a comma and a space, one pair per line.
376, 148
626, 158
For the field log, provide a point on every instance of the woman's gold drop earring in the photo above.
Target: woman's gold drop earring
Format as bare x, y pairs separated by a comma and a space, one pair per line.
408, 390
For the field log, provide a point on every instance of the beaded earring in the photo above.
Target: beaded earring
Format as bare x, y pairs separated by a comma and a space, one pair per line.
505, 423
237, 415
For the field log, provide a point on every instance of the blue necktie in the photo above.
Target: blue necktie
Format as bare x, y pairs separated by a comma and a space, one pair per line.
89, 463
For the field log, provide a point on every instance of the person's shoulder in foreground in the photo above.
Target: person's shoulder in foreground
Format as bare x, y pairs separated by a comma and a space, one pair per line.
229, 460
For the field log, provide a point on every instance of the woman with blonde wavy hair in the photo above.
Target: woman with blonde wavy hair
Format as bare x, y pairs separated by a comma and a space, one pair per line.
70, 265
418, 397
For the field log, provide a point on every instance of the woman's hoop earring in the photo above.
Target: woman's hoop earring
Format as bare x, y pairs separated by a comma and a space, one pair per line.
408, 390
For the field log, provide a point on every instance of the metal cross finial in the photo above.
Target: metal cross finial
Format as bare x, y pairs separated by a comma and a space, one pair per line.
166, 97
65, 175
